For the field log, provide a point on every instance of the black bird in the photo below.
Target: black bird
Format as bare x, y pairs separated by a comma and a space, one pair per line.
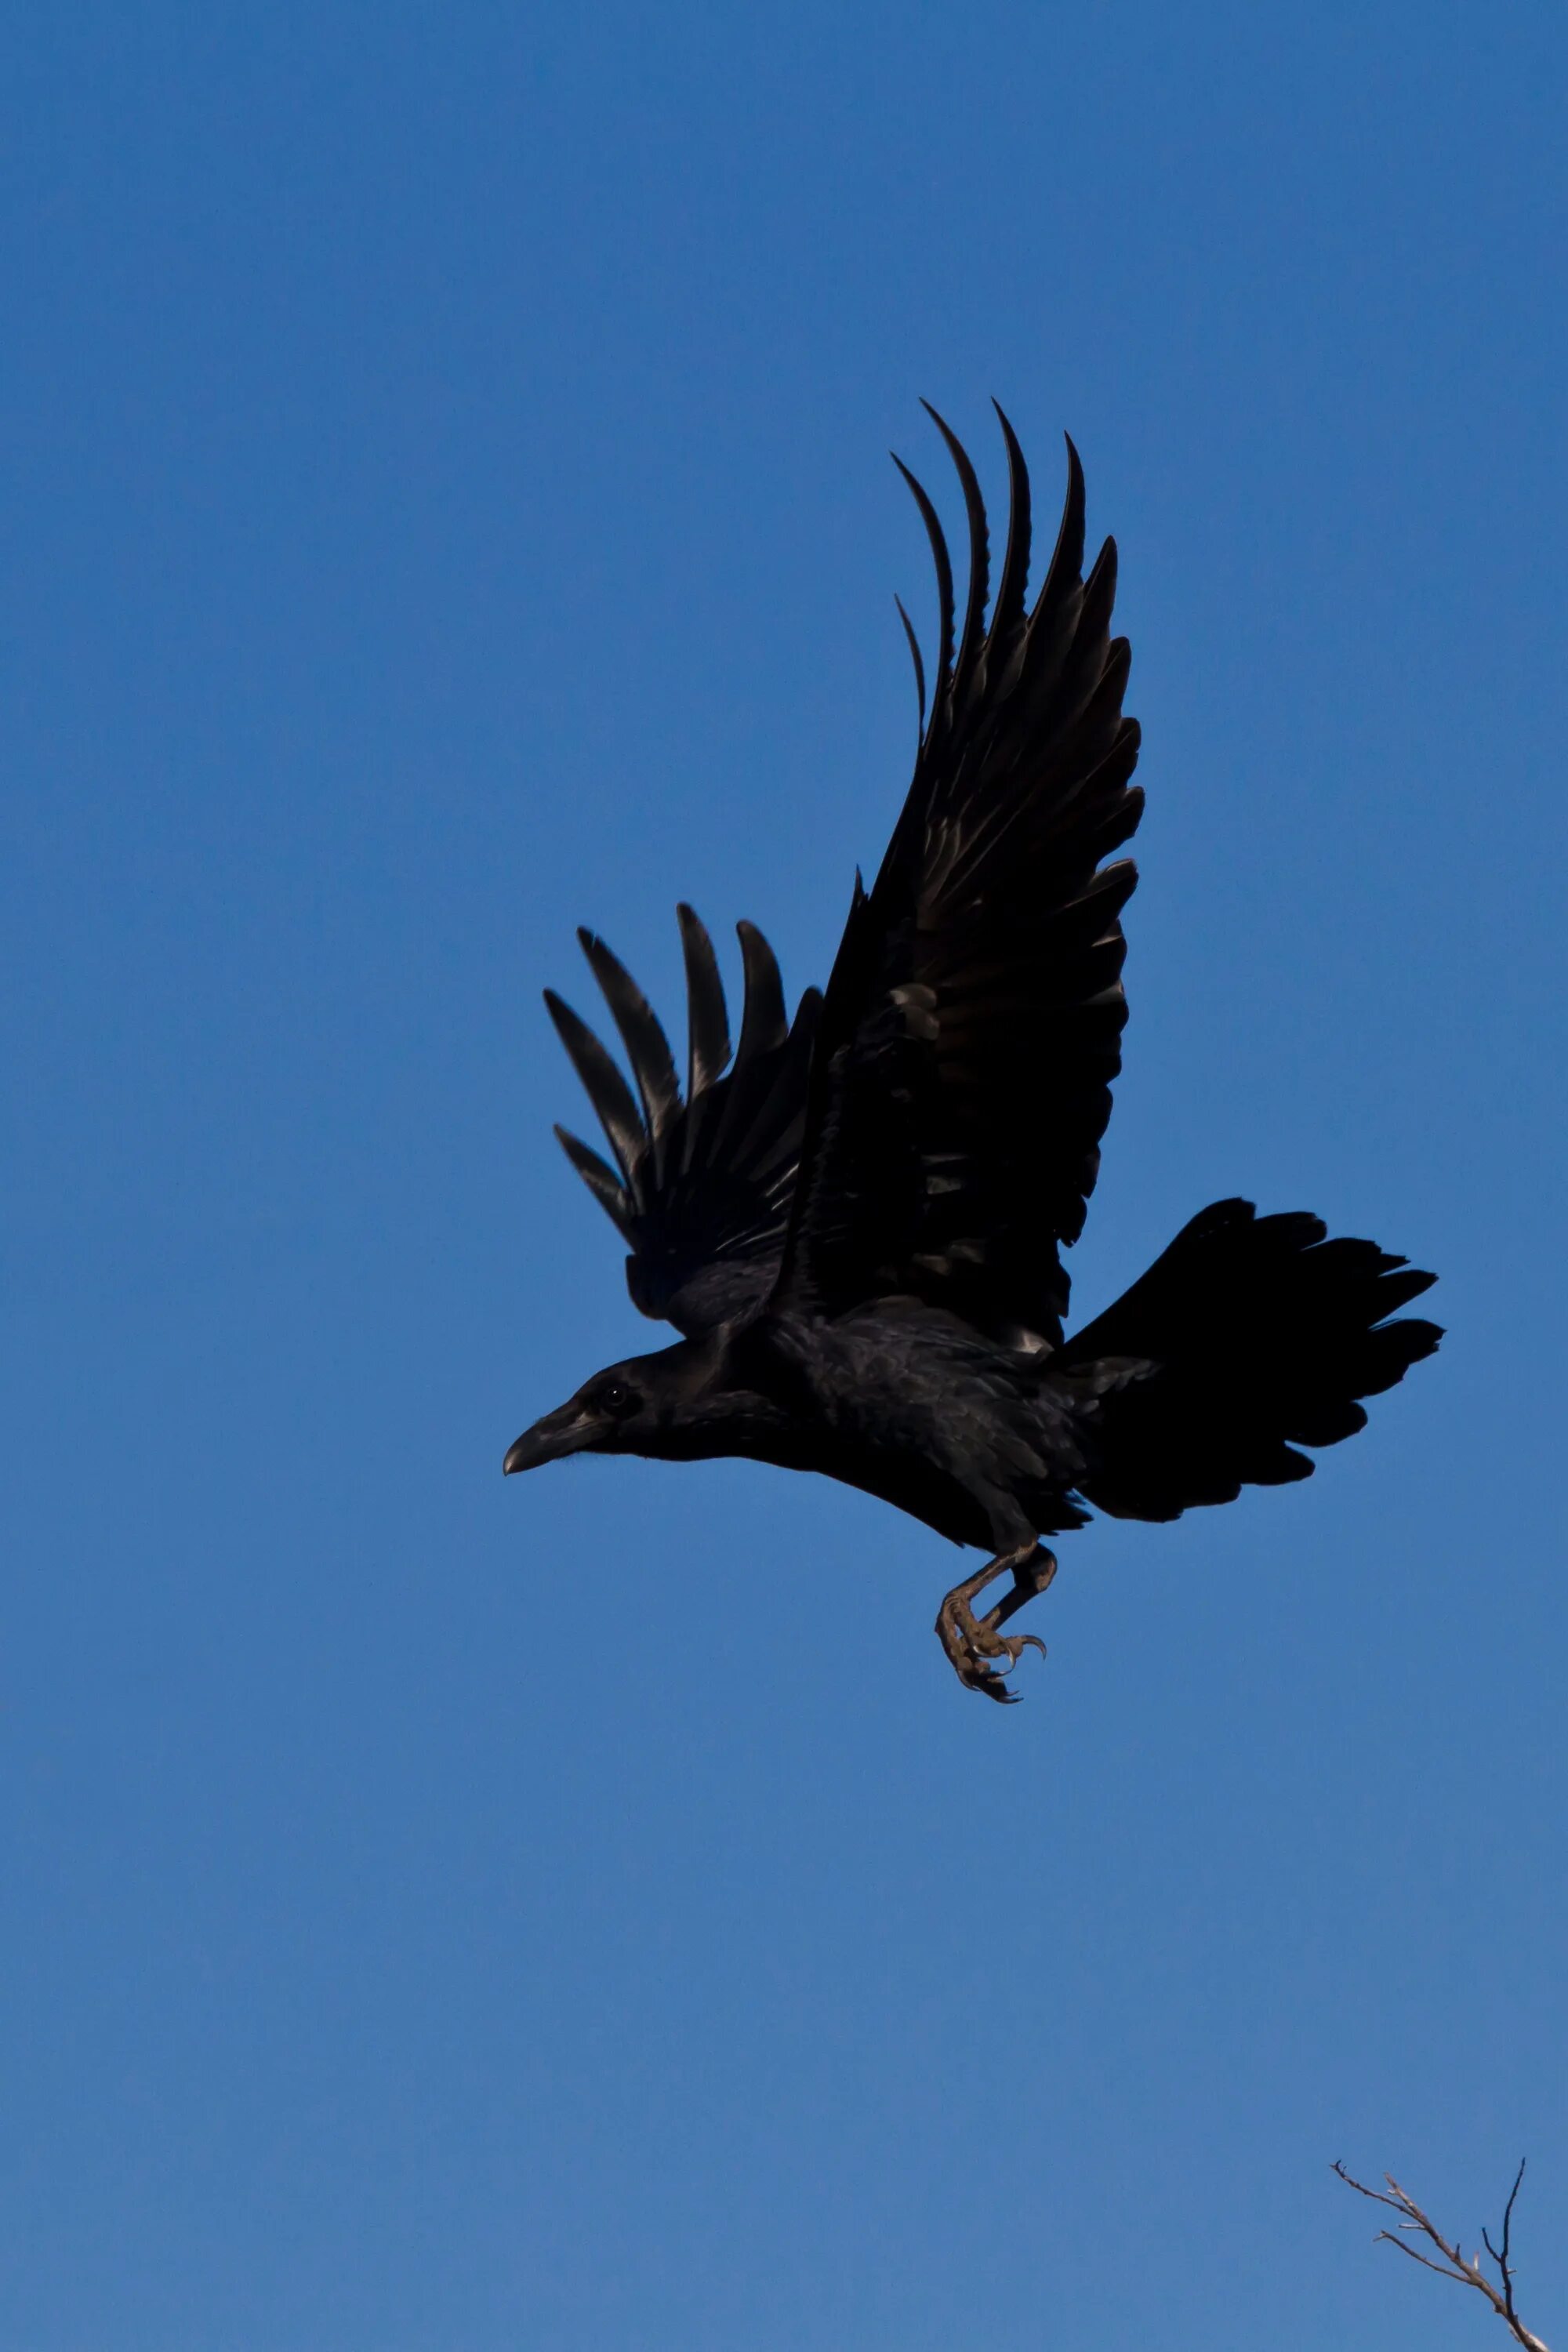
857, 1224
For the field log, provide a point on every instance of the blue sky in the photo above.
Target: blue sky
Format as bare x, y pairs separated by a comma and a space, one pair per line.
447, 500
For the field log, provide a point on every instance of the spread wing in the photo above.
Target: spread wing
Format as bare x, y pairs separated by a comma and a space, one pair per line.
704, 1184
973, 1024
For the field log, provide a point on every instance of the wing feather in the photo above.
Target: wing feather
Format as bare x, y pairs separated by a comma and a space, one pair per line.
917, 657
600, 1179
944, 562
979, 541
764, 1023
647, 1047
606, 1088
708, 1015
1008, 616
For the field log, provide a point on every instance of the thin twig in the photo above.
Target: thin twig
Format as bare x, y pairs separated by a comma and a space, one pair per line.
1500, 2259
1465, 2272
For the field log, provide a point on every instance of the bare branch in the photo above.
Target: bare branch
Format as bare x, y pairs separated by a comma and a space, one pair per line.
1454, 2264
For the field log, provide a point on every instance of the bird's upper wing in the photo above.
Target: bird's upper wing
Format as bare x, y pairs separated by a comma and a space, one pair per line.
703, 1192
972, 1025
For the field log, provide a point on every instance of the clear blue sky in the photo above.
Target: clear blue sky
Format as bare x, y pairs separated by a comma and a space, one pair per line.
445, 501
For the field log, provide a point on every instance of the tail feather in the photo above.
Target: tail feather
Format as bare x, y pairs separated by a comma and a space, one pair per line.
1248, 1337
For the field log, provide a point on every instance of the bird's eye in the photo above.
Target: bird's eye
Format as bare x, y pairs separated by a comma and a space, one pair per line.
616, 1398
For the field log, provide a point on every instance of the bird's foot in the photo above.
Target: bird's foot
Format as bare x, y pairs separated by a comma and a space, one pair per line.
972, 1643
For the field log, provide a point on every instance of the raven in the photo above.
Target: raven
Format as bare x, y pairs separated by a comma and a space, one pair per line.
856, 1225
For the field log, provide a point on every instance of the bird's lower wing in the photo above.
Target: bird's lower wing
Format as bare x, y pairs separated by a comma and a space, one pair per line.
702, 1182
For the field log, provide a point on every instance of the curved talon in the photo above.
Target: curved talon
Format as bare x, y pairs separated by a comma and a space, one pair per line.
1015, 1644
995, 1687
979, 1674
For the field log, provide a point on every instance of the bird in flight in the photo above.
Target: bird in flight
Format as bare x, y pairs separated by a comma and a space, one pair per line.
857, 1222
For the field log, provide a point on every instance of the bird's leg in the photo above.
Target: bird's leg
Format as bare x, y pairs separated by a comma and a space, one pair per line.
971, 1642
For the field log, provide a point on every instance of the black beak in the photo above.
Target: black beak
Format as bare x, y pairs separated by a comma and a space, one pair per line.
560, 1433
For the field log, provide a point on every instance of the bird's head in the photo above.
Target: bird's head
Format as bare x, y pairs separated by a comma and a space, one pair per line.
625, 1409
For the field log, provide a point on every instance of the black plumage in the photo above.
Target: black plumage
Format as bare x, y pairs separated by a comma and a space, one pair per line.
858, 1223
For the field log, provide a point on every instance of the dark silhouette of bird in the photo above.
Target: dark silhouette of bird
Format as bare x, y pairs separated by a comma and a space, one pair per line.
857, 1224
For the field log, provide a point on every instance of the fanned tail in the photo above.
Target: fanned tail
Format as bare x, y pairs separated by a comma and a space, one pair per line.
1249, 1337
